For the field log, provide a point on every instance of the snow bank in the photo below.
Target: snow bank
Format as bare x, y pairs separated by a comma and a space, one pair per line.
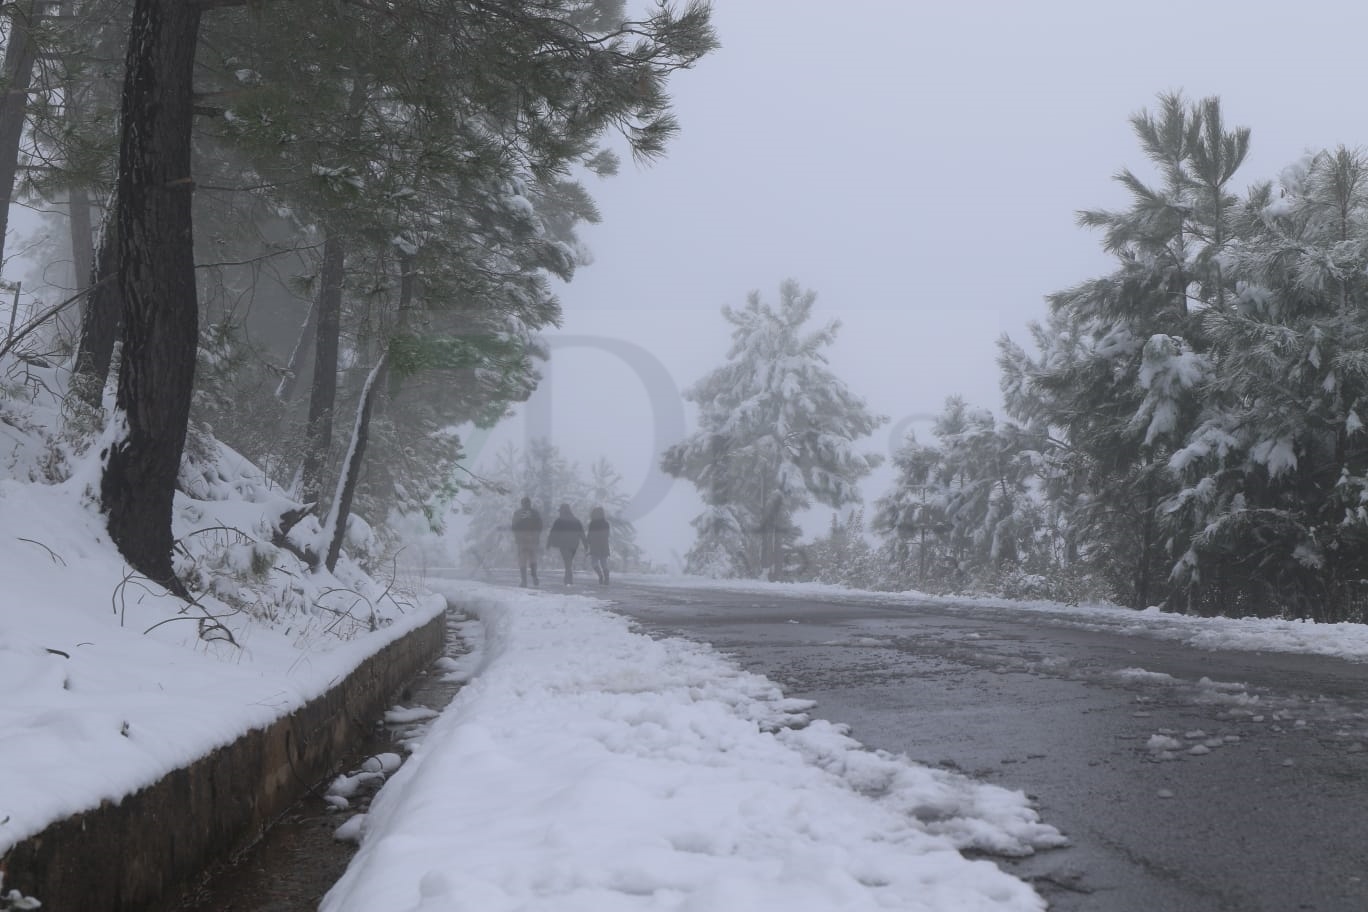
588, 767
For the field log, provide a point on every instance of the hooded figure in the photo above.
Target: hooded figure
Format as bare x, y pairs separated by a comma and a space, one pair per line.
567, 533
527, 529
598, 544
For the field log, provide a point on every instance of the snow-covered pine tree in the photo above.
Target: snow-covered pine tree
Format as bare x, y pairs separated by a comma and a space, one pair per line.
603, 488
967, 509
911, 517
1276, 475
843, 556
544, 474
776, 434
489, 506
1123, 357
986, 474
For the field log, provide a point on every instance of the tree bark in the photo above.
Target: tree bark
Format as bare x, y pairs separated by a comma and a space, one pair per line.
351, 471
379, 478
18, 75
156, 279
82, 248
323, 395
78, 197
101, 319
300, 356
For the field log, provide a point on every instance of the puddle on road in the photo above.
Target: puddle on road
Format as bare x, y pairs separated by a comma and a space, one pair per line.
299, 859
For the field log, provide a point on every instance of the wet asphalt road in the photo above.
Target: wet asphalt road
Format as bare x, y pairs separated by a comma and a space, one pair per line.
1259, 805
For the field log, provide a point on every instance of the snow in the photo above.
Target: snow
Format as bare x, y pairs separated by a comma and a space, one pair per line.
678, 782
583, 766
109, 683
109, 686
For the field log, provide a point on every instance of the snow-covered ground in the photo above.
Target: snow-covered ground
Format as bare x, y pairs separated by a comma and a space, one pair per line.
583, 767
108, 683
589, 768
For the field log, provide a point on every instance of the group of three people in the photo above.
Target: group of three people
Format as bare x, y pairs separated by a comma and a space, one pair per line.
567, 533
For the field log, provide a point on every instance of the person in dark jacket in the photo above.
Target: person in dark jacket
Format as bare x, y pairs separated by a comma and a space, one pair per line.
527, 530
567, 533
598, 544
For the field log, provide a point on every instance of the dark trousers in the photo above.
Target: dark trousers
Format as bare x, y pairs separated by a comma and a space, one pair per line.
568, 555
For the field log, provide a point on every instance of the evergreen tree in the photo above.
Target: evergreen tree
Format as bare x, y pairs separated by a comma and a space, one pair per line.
912, 516
340, 113
966, 509
842, 556
542, 473
1122, 358
1274, 477
489, 506
603, 488
776, 433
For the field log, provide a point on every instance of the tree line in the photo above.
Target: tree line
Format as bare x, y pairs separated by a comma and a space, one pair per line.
1186, 430
541, 472
321, 232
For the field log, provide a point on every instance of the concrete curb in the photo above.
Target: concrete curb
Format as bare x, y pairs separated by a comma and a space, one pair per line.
144, 849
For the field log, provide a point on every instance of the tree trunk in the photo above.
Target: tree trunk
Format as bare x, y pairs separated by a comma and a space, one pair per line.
101, 319
379, 478
301, 356
82, 249
346, 484
156, 279
1147, 529
78, 197
323, 395
18, 75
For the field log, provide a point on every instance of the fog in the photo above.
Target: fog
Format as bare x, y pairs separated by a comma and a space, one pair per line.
920, 167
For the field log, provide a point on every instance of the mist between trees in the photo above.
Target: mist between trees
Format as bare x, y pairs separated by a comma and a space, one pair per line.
311, 213
1186, 433
270, 217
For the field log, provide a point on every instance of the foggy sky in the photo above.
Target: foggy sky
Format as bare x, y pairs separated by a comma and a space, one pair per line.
919, 165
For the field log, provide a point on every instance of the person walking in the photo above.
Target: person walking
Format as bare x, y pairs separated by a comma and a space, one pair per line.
567, 533
597, 540
527, 530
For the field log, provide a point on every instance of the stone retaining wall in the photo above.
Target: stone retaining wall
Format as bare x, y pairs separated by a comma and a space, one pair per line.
148, 847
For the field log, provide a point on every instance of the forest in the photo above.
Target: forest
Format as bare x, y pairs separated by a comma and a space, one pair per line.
326, 235
322, 234
1184, 431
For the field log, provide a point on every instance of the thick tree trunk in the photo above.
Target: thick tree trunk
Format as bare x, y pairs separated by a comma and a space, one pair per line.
101, 318
156, 279
323, 396
346, 485
82, 248
18, 76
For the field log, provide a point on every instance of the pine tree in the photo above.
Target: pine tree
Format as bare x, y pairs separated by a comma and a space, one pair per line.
1122, 358
1275, 474
965, 509
332, 124
912, 516
544, 474
603, 488
776, 434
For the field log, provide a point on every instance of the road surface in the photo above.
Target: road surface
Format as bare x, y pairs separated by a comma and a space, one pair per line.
1187, 780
